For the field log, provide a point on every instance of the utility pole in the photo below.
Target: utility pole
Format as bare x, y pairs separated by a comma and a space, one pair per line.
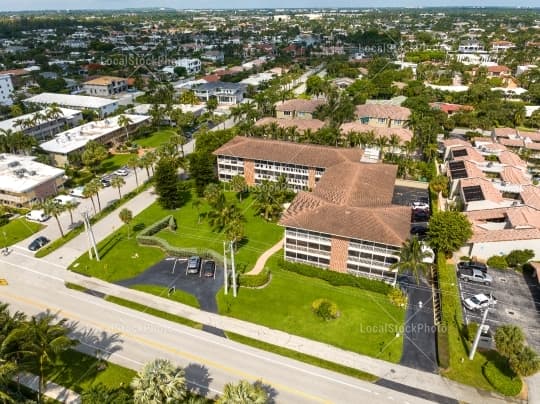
225, 274
479, 332
231, 246
91, 237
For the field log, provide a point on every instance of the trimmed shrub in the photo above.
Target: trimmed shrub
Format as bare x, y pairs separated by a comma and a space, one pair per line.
254, 281
497, 261
443, 348
501, 377
325, 309
397, 297
519, 257
336, 278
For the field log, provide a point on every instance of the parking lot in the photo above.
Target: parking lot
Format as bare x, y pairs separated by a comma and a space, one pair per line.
518, 302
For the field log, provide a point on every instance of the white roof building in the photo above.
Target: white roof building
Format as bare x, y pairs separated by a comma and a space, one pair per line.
103, 105
45, 126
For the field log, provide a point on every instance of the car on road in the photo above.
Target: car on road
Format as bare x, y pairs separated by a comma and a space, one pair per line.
209, 269
105, 182
122, 172
479, 301
475, 275
37, 215
63, 200
38, 243
194, 265
77, 192
420, 205
473, 265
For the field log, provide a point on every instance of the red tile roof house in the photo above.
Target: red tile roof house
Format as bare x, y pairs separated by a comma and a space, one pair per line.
450, 109
301, 125
391, 116
297, 108
347, 223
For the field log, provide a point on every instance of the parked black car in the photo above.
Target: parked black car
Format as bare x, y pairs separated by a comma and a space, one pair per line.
419, 231
472, 265
194, 265
38, 243
209, 269
420, 215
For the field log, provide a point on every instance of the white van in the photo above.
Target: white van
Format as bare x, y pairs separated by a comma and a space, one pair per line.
77, 192
64, 199
37, 215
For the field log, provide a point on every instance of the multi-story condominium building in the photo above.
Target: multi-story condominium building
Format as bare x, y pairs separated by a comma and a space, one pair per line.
41, 124
74, 140
24, 181
391, 116
6, 90
192, 66
105, 86
103, 107
297, 109
226, 93
347, 222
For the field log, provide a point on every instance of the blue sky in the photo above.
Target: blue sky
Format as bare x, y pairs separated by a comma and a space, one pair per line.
8, 5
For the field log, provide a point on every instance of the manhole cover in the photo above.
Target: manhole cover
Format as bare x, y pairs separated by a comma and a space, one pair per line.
502, 279
510, 312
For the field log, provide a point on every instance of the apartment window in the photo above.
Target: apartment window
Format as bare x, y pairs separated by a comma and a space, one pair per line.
288, 113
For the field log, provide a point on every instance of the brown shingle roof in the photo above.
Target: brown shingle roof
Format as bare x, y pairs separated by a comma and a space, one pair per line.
403, 133
300, 124
383, 111
288, 152
299, 105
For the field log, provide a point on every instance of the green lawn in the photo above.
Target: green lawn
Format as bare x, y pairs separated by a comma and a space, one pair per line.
78, 372
367, 324
17, 230
117, 251
156, 139
114, 162
178, 296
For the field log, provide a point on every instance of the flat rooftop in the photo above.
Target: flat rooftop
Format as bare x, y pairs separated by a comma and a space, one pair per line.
19, 174
76, 138
11, 124
77, 101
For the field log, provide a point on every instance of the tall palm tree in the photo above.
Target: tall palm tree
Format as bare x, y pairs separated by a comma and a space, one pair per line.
267, 202
53, 209
394, 142
178, 140
126, 216
382, 144
88, 192
146, 162
135, 162
70, 207
125, 121
94, 187
8, 370
118, 182
42, 340
159, 382
411, 258
243, 392
223, 216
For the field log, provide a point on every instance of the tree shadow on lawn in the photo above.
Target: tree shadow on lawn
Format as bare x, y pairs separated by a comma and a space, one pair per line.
110, 244
198, 377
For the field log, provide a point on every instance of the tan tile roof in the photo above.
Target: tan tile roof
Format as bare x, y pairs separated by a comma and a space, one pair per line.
534, 136
512, 142
358, 127
489, 191
383, 111
299, 105
300, 124
485, 236
523, 222
352, 200
514, 175
504, 132
511, 159
455, 142
492, 147
288, 152
531, 196
472, 154
532, 146
103, 80
473, 170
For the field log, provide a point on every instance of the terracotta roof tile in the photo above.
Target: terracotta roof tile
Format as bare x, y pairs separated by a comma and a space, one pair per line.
514, 175
489, 191
300, 124
358, 127
511, 159
299, 105
383, 111
531, 196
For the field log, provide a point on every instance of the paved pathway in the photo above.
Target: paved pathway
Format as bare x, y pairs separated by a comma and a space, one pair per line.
261, 261
52, 390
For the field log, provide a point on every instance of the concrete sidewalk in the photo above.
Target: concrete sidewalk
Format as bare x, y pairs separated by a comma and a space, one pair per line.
261, 261
52, 390
385, 370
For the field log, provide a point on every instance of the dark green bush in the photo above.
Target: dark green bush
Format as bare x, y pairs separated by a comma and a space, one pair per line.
502, 378
325, 309
519, 257
497, 261
336, 278
443, 348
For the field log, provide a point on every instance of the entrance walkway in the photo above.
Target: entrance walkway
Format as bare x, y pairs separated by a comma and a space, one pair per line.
261, 261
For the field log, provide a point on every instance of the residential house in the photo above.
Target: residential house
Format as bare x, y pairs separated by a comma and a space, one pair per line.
297, 108
225, 92
391, 116
103, 107
105, 86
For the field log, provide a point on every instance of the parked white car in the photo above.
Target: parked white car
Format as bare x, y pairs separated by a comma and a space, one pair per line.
480, 301
37, 215
122, 172
77, 192
64, 200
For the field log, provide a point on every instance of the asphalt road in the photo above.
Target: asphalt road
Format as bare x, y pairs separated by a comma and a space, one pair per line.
132, 338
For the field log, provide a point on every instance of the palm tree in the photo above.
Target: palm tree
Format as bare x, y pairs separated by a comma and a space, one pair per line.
244, 393
178, 140
411, 258
134, 162
42, 340
118, 182
125, 121
146, 161
54, 209
88, 192
382, 144
212, 194
267, 202
394, 142
238, 185
70, 207
94, 187
223, 216
159, 382
234, 231
126, 216
197, 205
7, 371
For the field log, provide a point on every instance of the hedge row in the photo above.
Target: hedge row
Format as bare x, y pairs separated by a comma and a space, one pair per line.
255, 281
501, 377
336, 278
450, 310
146, 237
